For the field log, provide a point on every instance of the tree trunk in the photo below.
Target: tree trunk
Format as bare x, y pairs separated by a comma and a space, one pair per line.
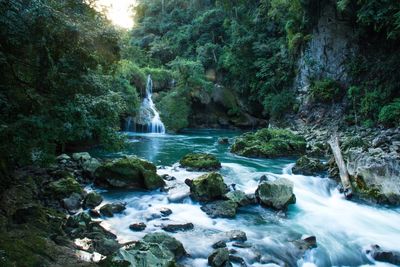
344, 175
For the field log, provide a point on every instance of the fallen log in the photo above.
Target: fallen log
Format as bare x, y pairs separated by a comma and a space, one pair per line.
343, 173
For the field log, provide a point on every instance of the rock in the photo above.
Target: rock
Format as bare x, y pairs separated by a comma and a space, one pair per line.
220, 209
238, 260
200, 162
168, 177
380, 140
165, 212
63, 158
375, 175
156, 249
64, 187
208, 187
108, 210
106, 246
178, 227
129, 172
219, 258
219, 244
269, 143
82, 156
92, 200
306, 243
241, 245
90, 165
94, 213
239, 197
386, 256
137, 227
223, 141
72, 203
277, 194
308, 166
236, 235
81, 219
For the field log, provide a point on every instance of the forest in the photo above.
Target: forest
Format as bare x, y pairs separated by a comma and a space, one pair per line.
233, 93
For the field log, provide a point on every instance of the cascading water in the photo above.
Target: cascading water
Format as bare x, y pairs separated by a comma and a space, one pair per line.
148, 119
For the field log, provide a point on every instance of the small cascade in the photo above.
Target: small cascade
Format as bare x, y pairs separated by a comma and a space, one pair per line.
148, 119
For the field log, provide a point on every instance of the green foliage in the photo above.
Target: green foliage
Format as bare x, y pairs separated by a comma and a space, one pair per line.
174, 110
390, 114
326, 90
277, 105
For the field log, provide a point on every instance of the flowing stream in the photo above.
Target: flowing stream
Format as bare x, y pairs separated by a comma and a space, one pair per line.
343, 229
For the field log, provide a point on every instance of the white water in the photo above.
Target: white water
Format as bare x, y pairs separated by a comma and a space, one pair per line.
344, 229
148, 120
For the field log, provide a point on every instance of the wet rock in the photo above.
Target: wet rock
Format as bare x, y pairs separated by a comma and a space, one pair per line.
277, 194
72, 203
219, 244
108, 210
237, 260
178, 227
137, 227
156, 249
308, 166
239, 197
207, 187
220, 209
385, 256
94, 213
200, 162
269, 143
131, 172
92, 200
165, 212
64, 187
241, 245
306, 243
168, 177
223, 141
106, 246
236, 235
219, 258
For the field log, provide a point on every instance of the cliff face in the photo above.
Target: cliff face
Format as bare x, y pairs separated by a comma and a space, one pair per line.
325, 56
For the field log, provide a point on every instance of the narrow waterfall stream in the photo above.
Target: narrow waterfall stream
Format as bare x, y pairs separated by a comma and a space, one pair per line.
148, 120
344, 229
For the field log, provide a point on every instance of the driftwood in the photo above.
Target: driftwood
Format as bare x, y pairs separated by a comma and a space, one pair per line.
344, 175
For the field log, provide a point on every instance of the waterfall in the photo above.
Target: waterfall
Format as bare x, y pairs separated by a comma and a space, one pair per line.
155, 125
148, 119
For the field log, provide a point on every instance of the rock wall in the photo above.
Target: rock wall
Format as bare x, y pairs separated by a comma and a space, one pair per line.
333, 42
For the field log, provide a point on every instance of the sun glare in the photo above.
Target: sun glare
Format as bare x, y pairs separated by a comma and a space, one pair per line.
118, 11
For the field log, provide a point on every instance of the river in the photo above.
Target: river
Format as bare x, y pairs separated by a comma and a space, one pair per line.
344, 229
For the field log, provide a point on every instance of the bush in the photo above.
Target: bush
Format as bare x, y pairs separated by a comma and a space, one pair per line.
390, 114
277, 105
326, 90
174, 111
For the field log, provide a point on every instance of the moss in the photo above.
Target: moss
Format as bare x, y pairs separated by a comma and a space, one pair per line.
174, 111
307, 166
129, 172
269, 143
64, 187
208, 187
326, 90
200, 161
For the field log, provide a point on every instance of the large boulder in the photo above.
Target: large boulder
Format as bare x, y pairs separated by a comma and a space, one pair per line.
308, 166
64, 187
221, 209
207, 187
92, 200
155, 249
276, 194
269, 143
375, 174
200, 162
219, 258
239, 197
131, 172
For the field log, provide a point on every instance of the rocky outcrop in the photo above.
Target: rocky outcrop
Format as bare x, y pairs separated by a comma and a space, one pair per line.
200, 162
276, 194
308, 166
207, 187
131, 172
269, 143
155, 249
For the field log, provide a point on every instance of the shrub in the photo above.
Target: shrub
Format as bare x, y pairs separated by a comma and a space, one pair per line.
277, 105
390, 114
326, 90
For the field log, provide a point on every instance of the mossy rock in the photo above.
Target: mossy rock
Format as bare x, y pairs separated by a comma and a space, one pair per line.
92, 200
276, 194
200, 162
64, 187
221, 209
129, 172
208, 187
269, 143
308, 166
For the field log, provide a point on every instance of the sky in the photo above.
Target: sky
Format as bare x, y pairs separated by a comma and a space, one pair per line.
119, 11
